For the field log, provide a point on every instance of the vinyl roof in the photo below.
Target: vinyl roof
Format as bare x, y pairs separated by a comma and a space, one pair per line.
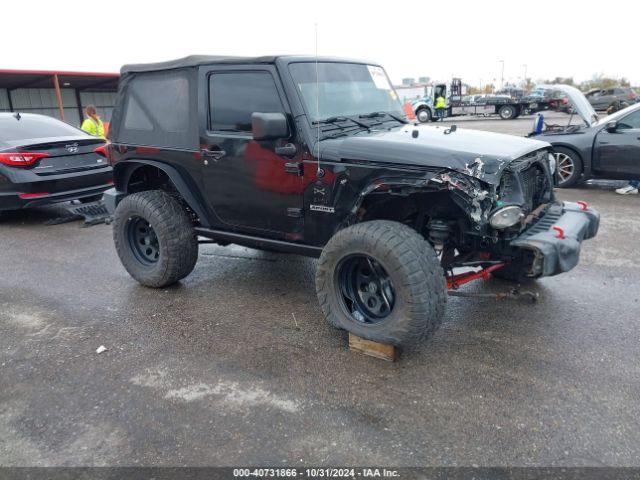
95, 81
197, 60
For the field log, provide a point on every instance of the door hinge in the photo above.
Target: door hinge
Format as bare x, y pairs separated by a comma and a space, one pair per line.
295, 168
294, 212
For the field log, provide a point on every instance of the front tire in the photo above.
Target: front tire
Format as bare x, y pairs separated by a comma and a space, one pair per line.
381, 281
568, 167
155, 238
424, 115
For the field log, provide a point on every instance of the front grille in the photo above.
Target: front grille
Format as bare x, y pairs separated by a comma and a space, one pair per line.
528, 187
533, 181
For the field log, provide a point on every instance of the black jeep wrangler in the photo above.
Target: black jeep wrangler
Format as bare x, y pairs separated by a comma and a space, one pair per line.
315, 157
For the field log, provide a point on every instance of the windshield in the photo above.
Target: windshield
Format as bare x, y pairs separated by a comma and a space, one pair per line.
617, 115
344, 89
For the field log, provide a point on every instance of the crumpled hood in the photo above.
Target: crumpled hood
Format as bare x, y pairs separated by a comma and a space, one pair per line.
484, 153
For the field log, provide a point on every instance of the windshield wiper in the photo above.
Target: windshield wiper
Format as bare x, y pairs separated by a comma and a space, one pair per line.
342, 119
382, 114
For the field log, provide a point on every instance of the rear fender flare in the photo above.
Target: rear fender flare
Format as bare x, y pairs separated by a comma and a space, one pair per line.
123, 171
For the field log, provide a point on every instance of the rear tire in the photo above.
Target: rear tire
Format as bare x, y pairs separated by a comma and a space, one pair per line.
381, 281
568, 167
507, 112
155, 238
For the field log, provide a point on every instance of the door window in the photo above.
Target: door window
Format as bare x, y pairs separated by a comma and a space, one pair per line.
630, 121
233, 97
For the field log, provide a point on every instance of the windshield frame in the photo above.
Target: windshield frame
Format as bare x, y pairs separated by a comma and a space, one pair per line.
314, 122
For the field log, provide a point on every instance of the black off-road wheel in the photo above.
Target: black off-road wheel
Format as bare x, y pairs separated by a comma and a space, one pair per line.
568, 167
155, 238
382, 281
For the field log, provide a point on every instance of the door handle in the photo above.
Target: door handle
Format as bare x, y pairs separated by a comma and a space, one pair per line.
288, 150
213, 154
294, 167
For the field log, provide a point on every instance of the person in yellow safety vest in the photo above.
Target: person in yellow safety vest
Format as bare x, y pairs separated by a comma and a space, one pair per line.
92, 124
441, 107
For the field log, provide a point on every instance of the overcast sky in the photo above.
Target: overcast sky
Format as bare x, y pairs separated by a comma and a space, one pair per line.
411, 38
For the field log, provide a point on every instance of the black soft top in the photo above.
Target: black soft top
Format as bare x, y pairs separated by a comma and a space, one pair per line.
197, 60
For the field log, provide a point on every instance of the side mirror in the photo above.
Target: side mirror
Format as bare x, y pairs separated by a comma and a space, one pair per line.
269, 126
612, 126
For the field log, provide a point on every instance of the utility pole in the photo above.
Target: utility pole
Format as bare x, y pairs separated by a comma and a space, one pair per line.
502, 76
525, 74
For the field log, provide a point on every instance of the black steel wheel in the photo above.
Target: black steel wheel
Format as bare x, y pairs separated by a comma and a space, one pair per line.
365, 289
382, 281
155, 238
143, 240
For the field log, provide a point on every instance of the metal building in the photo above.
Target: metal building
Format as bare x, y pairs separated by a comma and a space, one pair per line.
59, 94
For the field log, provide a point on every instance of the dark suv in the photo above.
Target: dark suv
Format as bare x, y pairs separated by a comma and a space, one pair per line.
315, 157
604, 98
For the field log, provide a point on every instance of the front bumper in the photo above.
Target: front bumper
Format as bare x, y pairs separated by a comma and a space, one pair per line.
555, 239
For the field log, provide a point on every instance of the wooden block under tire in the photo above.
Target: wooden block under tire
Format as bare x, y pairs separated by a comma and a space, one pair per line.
373, 349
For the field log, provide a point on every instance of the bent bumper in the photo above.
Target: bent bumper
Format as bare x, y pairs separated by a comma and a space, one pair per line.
555, 239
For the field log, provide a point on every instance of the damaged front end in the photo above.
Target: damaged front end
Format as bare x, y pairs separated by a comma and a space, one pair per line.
525, 225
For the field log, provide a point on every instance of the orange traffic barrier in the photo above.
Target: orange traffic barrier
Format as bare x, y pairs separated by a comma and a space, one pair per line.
408, 110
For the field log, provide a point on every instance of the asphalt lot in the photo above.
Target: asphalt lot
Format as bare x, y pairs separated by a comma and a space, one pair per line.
236, 366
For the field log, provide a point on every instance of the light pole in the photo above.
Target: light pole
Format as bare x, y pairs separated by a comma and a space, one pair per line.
502, 76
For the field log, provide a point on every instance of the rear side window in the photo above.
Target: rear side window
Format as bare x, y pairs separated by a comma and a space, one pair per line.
159, 102
233, 97
158, 109
33, 127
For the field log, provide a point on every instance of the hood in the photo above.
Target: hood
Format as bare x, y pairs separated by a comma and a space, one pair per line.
579, 102
473, 152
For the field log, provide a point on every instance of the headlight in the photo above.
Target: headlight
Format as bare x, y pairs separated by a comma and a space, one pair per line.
553, 163
506, 217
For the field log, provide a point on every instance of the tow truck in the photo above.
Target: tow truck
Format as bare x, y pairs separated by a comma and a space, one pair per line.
506, 107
